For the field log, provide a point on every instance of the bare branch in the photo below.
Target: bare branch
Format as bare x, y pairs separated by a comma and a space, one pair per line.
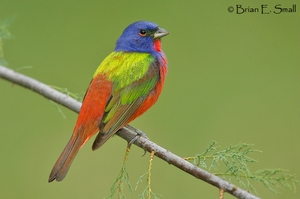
126, 134
40, 88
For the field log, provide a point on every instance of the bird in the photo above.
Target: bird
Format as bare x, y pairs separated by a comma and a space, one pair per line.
124, 86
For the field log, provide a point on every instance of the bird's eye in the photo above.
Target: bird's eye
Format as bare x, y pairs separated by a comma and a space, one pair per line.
142, 32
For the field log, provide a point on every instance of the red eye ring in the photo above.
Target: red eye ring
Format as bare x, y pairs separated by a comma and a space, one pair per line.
143, 33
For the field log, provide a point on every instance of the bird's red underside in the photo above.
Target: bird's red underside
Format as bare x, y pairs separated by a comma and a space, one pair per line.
93, 107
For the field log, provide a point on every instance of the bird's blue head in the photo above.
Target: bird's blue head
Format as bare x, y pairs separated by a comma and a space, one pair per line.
141, 36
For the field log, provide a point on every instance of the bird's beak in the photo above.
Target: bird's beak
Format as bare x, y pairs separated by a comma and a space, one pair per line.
160, 32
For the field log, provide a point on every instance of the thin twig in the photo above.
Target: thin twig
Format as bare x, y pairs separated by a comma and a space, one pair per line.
122, 172
221, 193
149, 174
142, 142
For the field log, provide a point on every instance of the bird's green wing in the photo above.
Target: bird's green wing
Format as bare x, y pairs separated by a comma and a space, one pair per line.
133, 80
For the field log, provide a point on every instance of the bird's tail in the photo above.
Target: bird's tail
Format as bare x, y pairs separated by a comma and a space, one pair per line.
62, 165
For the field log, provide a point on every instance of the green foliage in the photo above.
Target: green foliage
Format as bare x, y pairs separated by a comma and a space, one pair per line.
276, 178
146, 192
5, 35
236, 159
118, 185
123, 178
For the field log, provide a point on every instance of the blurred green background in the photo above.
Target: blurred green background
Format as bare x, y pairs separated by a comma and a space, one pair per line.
232, 78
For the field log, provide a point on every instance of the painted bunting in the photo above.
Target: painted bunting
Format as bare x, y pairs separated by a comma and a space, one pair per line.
125, 85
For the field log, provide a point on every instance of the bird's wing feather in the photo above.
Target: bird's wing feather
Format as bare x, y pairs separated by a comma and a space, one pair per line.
125, 102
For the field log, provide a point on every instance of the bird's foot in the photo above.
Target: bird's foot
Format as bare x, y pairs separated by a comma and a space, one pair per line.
139, 133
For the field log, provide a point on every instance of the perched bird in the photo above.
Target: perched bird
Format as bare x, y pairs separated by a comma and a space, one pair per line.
125, 85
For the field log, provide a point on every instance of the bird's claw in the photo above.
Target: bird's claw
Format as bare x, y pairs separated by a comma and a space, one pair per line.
139, 133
